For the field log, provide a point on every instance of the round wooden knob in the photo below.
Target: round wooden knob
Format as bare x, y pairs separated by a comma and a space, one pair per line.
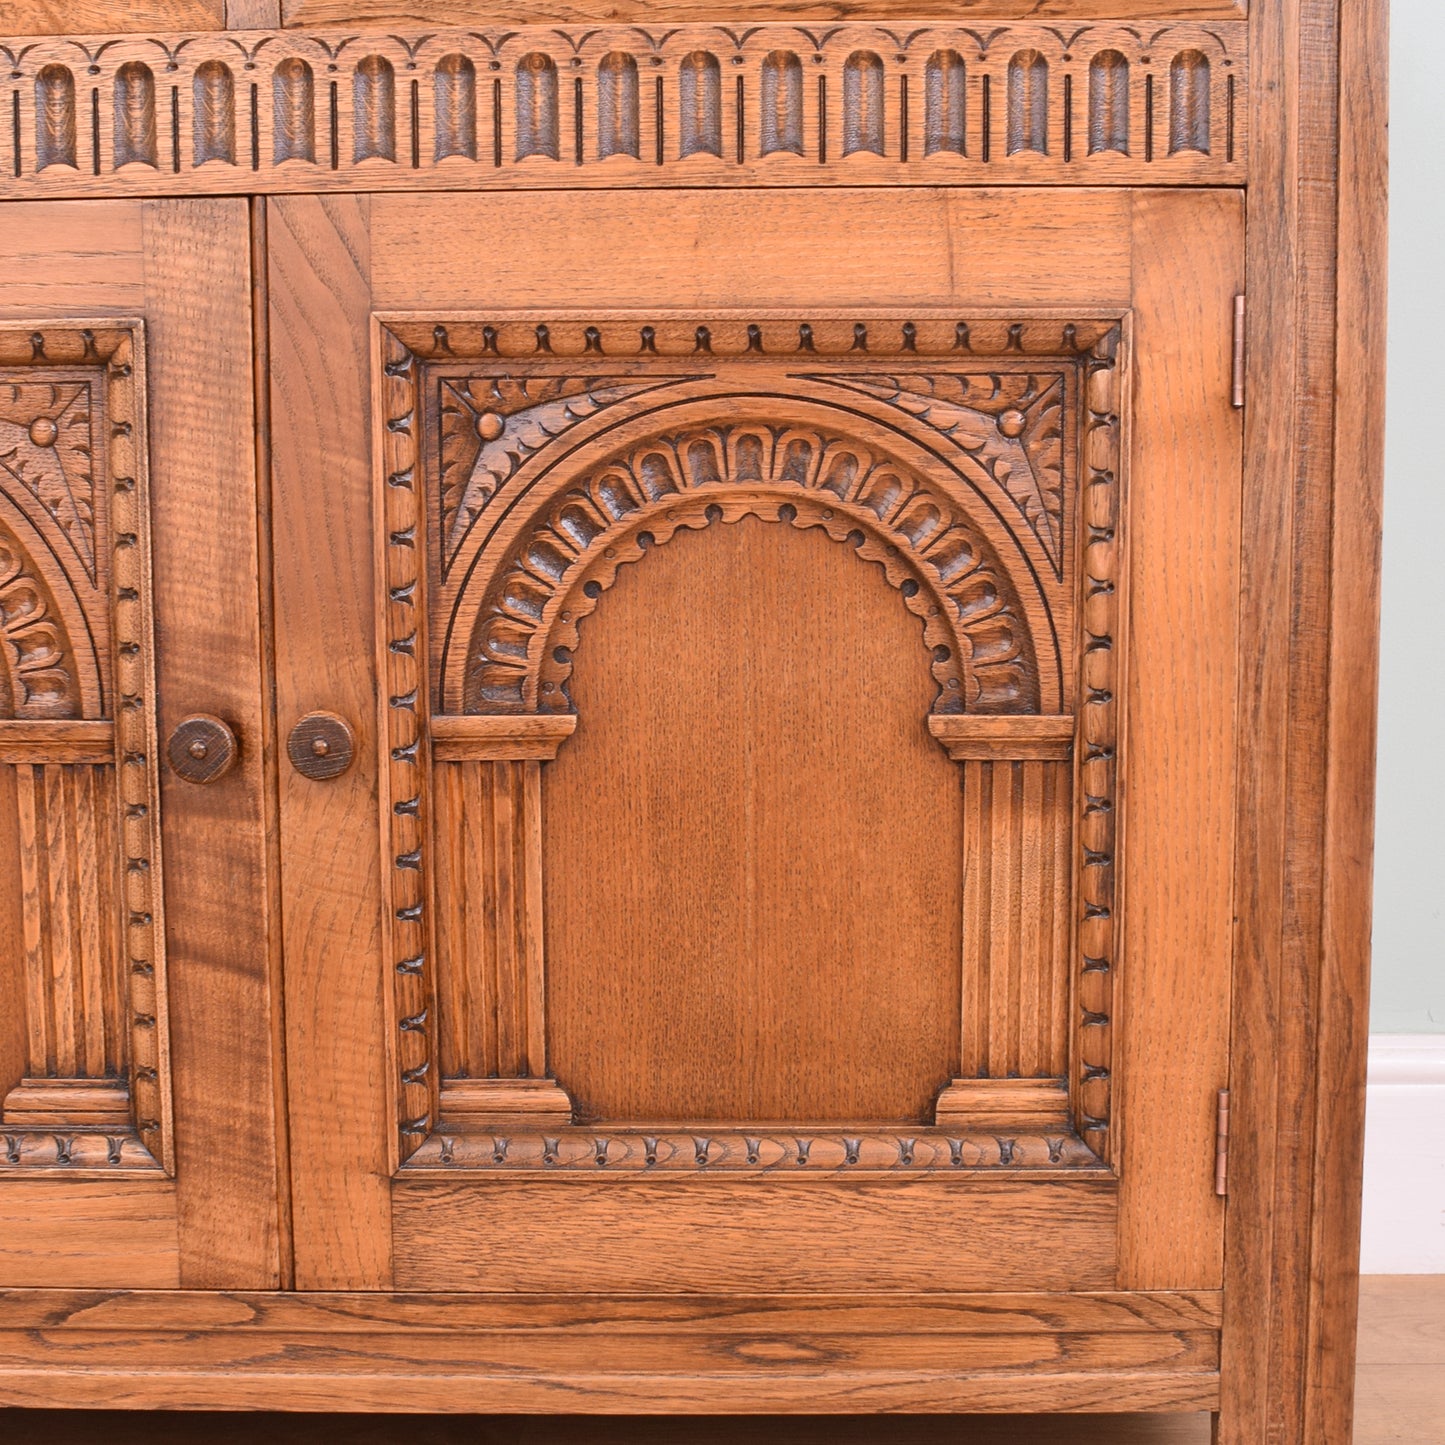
202, 748
321, 746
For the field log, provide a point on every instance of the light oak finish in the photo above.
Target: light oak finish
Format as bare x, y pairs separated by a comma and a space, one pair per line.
826, 725
536, 106
1399, 1386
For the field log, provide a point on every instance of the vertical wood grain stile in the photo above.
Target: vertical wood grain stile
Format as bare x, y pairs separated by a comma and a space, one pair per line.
449, 934
503, 807
975, 892
65, 981
1061, 924
477, 952
1034, 964
90, 940
534, 1033
30, 810
114, 964
1005, 1045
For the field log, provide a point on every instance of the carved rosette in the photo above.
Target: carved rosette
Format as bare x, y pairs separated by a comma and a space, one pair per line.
958, 457
77, 724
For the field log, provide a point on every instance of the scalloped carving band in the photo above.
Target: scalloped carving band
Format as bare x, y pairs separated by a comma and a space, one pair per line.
619, 106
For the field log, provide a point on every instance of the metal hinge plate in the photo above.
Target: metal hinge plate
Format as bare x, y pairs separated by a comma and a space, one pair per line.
1237, 389
1221, 1144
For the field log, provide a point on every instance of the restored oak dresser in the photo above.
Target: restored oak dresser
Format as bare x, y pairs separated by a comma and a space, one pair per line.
686, 710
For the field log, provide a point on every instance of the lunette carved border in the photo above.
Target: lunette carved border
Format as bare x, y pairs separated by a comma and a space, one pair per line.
403, 348
540, 106
116, 348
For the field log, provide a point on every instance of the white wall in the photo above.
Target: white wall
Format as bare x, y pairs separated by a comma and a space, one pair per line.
1408, 994
1404, 1224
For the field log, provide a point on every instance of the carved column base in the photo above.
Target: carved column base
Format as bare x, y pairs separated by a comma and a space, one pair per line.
1022, 1104
69, 1104
536, 1102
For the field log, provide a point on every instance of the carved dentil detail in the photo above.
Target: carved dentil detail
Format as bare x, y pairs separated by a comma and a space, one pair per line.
981, 652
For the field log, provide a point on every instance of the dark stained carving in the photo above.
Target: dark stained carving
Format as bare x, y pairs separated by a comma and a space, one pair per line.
491, 425
696, 104
1009, 424
754, 465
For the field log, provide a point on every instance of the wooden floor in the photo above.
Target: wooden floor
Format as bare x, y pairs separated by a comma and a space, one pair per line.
1401, 1402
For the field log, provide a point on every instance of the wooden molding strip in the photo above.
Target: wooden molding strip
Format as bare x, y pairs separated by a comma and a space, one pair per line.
774, 1150
57, 740
521, 737
1014, 738
537, 106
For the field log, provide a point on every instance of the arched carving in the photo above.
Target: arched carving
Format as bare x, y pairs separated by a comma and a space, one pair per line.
37, 658
982, 652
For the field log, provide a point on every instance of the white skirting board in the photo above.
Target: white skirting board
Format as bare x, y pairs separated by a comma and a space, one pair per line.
1404, 1223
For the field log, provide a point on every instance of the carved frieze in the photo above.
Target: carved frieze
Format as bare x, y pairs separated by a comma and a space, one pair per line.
552, 106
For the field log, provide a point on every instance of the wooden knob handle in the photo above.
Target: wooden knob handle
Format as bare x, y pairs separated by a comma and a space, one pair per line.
202, 748
321, 746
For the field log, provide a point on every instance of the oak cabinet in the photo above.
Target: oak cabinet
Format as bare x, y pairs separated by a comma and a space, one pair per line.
685, 715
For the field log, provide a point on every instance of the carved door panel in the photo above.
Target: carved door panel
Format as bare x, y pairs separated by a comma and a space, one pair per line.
792, 849
135, 1061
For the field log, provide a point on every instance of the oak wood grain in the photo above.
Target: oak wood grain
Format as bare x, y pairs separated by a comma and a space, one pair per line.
807, 969
1302, 892
97, 17
120, 1235
1181, 532
198, 287
939, 247
66, 1427
321, 407
673, 12
710, 1235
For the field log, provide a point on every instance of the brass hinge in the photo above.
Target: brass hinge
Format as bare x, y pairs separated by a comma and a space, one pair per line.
1221, 1144
1237, 393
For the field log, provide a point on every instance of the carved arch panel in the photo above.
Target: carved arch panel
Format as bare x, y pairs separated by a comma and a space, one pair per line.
78, 787
973, 463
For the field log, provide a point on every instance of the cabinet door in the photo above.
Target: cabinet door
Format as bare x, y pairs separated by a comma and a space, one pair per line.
762, 677
136, 1070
